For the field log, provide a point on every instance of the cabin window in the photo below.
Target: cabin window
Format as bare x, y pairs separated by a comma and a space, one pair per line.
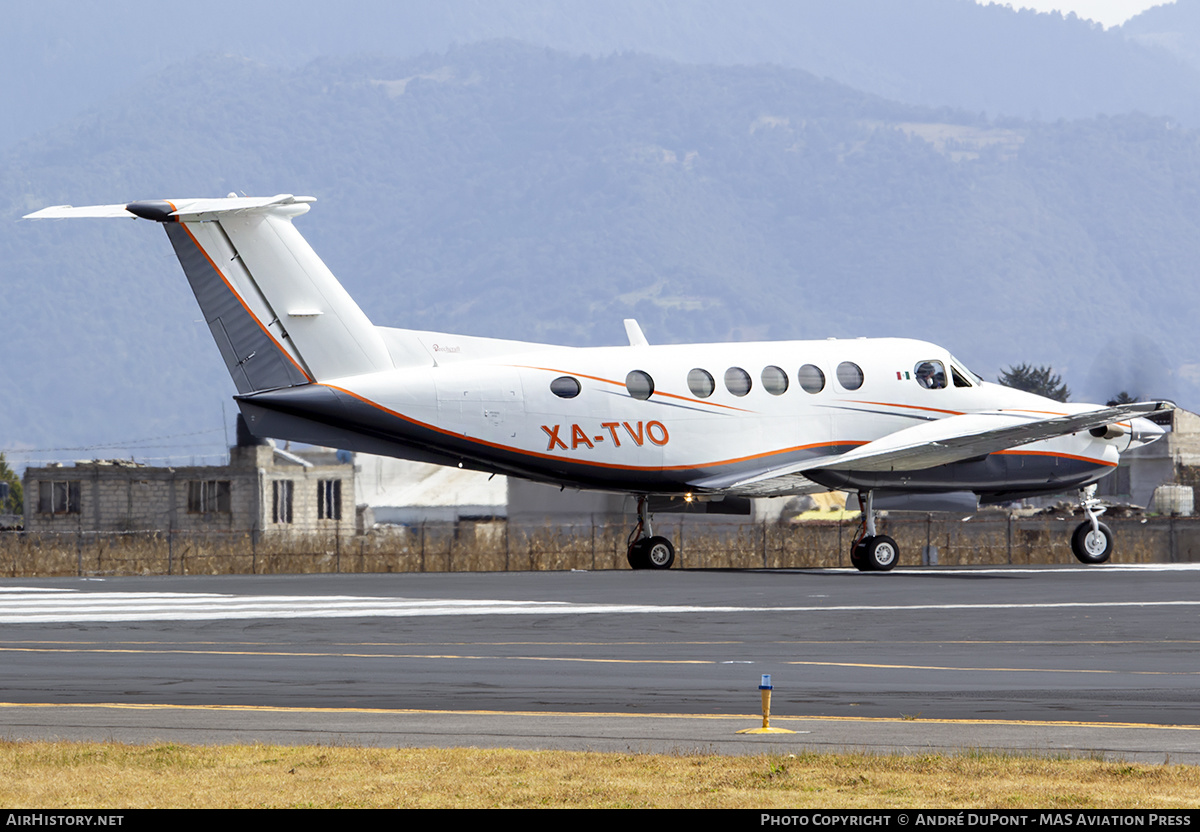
850, 375
931, 375
639, 385
960, 380
565, 387
58, 497
205, 496
737, 381
811, 379
701, 383
775, 380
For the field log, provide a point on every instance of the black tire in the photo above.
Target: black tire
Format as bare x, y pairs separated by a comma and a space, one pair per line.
658, 553
876, 554
636, 555
1089, 547
857, 557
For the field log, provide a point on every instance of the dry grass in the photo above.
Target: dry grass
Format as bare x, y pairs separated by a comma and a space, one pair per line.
111, 775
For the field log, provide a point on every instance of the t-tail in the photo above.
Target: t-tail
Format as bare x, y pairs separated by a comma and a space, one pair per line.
279, 316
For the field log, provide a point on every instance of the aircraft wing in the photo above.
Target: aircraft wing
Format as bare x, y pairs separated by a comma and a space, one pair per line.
928, 445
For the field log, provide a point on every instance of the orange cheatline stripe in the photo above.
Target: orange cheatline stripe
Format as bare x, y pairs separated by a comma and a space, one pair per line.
622, 384
539, 455
700, 465
909, 407
242, 301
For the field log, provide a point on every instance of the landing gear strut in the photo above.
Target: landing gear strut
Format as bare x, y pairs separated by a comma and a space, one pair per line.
870, 552
645, 550
1092, 541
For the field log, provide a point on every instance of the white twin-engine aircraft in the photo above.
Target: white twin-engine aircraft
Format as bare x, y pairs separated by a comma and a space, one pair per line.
900, 422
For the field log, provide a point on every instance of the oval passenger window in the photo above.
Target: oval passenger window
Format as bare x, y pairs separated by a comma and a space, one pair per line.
701, 383
565, 387
737, 381
811, 379
639, 385
775, 380
850, 375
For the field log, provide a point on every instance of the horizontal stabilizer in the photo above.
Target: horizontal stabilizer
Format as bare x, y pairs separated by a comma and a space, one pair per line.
62, 212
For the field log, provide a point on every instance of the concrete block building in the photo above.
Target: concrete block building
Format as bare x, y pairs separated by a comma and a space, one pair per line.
262, 489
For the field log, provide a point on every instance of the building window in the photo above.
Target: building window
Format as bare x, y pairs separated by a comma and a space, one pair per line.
205, 496
329, 500
58, 497
281, 502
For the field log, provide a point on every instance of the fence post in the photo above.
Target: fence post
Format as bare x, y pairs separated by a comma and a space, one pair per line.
841, 519
764, 542
679, 550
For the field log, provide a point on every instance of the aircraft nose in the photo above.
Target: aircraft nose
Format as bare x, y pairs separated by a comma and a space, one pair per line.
1144, 432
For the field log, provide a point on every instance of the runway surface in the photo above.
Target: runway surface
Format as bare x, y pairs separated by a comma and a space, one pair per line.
1072, 659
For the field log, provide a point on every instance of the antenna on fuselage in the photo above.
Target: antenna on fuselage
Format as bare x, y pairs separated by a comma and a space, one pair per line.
634, 333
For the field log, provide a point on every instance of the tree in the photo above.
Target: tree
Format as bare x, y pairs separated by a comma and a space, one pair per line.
1039, 380
1122, 398
15, 504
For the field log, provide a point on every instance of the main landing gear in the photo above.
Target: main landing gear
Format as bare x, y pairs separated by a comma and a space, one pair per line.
1092, 541
870, 552
645, 550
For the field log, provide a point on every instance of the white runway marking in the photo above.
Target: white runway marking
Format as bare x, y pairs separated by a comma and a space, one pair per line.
70, 606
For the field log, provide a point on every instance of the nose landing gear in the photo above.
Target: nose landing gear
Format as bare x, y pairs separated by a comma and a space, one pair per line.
1092, 541
871, 552
645, 550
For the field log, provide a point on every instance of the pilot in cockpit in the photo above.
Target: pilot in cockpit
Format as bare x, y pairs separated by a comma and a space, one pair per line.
931, 375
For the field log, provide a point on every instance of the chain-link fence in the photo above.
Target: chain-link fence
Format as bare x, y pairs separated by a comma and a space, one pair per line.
494, 546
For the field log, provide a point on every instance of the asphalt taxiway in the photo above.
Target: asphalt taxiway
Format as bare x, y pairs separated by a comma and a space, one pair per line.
1077, 660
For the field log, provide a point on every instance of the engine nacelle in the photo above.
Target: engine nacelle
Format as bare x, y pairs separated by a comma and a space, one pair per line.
1113, 431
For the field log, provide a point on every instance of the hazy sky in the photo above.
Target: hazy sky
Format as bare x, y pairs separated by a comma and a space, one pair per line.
1108, 12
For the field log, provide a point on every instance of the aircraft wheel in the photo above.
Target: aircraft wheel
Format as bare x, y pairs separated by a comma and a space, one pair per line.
658, 553
636, 555
1090, 547
877, 554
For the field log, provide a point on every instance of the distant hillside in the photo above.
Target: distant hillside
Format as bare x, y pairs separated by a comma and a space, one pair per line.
60, 57
1173, 27
509, 190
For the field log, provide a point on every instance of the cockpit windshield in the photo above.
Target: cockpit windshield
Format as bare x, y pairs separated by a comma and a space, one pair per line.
963, 377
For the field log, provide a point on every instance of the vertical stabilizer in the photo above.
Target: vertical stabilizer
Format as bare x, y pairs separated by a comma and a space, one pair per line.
279, 316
